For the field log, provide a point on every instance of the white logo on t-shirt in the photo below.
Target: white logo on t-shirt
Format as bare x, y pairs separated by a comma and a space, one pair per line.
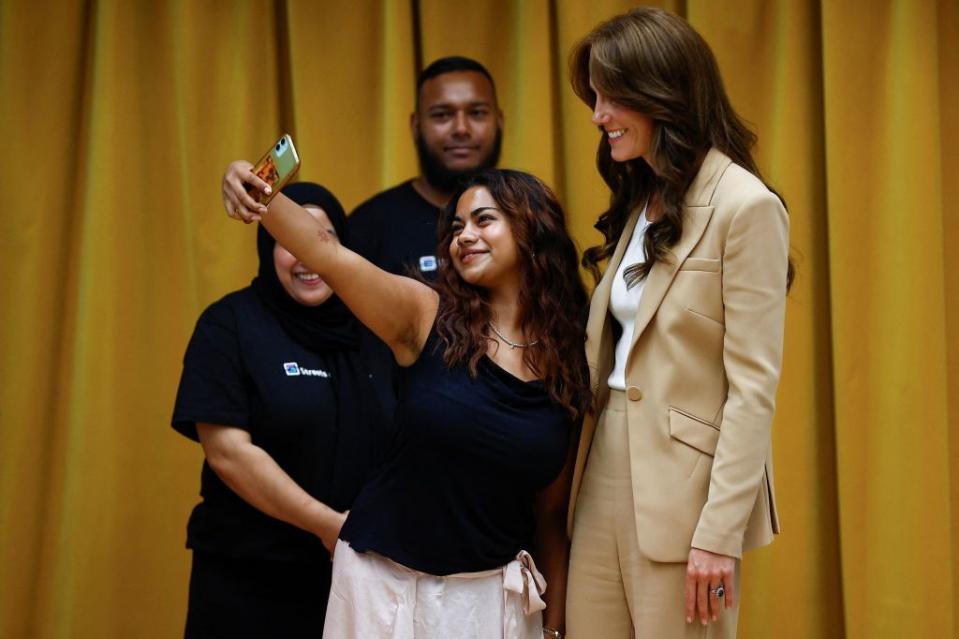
293, 369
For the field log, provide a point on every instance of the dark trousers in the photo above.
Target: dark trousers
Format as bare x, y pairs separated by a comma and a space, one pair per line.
238, 597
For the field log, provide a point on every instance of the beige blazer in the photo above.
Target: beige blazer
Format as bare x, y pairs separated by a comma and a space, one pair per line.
702, 370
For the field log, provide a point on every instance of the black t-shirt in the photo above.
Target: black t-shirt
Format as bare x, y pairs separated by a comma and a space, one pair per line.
241, 369
457, 492
396, 230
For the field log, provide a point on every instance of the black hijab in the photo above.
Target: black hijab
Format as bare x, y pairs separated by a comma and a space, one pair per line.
329, 326
330, 331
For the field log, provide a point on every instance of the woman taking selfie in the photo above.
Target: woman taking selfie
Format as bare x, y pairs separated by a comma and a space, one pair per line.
673, 479
493, 382
276, 388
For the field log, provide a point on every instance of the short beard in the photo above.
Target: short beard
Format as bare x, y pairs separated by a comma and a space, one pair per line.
447, 180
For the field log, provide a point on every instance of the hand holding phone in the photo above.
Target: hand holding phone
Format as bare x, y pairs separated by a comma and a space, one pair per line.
243, 183
277, 166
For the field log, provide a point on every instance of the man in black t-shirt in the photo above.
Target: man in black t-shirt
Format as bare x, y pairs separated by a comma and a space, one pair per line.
457, 128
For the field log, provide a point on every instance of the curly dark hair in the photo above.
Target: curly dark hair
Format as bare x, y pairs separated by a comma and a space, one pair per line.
552, 301
655, 63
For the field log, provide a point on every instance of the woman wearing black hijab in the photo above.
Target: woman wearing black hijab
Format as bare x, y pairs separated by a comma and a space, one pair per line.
276, 389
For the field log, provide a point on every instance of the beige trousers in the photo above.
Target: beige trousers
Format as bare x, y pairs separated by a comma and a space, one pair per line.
615, 592
374, 598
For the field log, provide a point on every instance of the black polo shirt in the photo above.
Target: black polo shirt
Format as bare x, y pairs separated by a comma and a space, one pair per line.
241, 369
396, 230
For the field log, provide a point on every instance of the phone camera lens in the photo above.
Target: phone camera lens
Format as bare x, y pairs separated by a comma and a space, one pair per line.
277, 147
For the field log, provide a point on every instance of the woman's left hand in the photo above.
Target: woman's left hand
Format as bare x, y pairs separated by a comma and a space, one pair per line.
705, 572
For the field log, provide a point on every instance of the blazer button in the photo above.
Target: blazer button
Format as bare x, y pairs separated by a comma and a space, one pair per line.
634, 394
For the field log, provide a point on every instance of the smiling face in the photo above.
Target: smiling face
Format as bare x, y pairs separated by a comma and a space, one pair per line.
298, 281
483, 250
629, 132
457, 123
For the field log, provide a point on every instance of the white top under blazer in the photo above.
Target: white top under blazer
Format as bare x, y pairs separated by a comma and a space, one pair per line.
624, 302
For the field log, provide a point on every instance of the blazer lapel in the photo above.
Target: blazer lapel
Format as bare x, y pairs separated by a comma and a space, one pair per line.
662, 273
696, 215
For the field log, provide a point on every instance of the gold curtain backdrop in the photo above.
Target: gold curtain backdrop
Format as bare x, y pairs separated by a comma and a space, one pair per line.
117, 119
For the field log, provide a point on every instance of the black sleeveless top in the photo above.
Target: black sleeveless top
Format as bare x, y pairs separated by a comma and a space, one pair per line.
456, 493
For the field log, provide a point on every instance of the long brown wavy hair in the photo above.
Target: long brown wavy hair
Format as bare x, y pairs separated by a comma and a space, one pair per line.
655, 63
552, 301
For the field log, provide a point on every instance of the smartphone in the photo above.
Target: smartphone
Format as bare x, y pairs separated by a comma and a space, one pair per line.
276, 168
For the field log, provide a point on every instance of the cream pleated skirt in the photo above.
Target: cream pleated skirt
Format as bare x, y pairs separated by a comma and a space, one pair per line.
373, 597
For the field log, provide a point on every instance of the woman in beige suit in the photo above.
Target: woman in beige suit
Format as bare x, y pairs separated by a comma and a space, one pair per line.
673, 478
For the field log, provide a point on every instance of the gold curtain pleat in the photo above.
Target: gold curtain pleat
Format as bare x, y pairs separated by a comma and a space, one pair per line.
948, 107
118, 119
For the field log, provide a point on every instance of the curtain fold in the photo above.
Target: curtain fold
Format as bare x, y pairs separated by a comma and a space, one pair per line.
119, 119
948, 67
